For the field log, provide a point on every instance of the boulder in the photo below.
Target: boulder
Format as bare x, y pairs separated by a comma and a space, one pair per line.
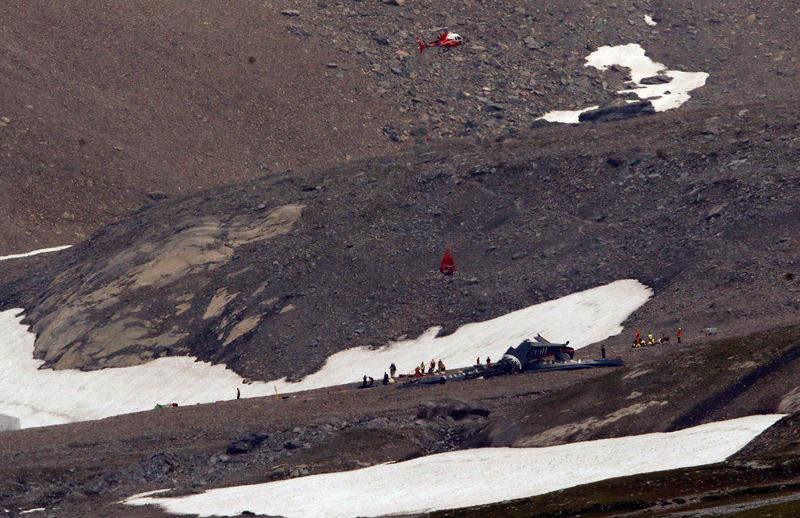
660, 79
245, 444
455, 408
615, 113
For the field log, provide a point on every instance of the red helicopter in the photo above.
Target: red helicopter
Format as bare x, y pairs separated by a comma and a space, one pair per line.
447, 38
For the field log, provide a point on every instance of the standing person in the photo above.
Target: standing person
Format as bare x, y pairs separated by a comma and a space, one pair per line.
385, 378
680, 332
603, 351
392, 369
448, 266
637, 337
238, 394
478, 361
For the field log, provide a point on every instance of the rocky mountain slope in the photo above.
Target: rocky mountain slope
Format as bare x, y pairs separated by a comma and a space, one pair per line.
105, 102
265, 183
272, 276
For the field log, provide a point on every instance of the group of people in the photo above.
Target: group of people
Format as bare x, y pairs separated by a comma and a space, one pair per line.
638, 341
420, 370
433, 367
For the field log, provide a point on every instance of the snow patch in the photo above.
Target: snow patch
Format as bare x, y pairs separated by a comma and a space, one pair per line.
470, 477
35, 252
41, 397
566, 116
663, 96
582, 318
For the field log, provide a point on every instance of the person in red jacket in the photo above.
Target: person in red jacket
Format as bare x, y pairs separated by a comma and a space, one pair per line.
679, 333
448, 266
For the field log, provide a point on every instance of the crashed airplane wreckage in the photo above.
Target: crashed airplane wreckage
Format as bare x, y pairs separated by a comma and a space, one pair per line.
535, 355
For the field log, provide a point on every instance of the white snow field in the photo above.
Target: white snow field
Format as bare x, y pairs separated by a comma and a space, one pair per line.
470, 477
582, 318
664, 96
40, 397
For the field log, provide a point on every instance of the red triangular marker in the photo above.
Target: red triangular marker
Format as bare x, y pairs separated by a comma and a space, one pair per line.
448, 266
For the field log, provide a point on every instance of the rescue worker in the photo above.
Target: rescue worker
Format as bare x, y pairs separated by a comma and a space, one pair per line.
385, 378
478, 361
448, 266
650, 339
637, 337
441, 365
680, 332
392, 369
488, 361
603, 351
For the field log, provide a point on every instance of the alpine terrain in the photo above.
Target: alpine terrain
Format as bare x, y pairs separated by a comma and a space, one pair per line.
269, 187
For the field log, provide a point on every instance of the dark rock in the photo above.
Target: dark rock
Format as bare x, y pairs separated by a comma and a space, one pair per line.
297, 30
615, 113
716, 212
392, 133
541, 123
293, 445
245, 444
532, 43
158, 465
455, 408
615, 160
656, 80
378, 422
157, 195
